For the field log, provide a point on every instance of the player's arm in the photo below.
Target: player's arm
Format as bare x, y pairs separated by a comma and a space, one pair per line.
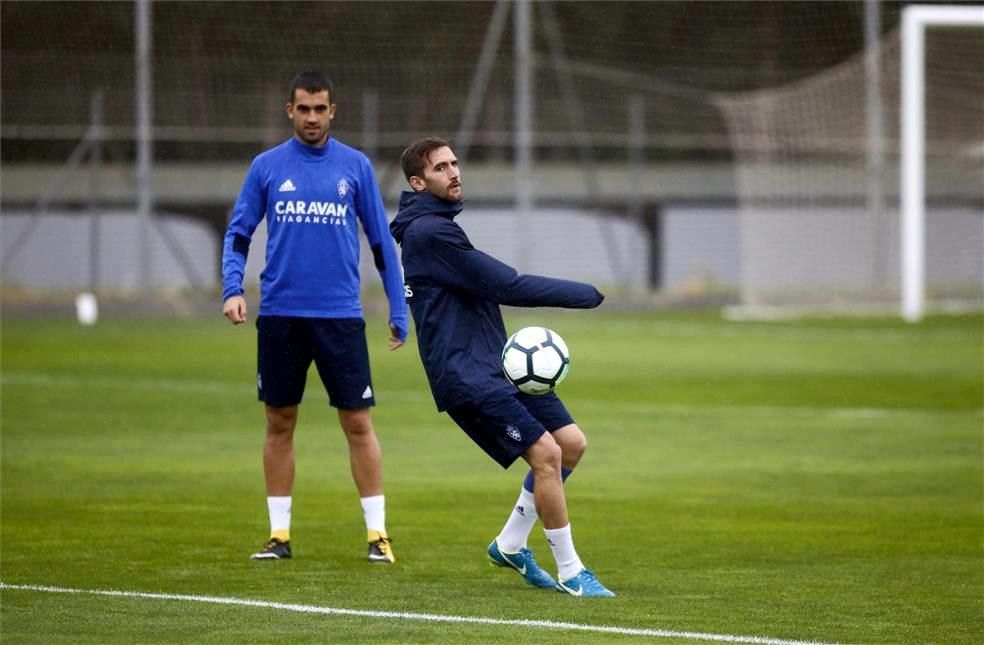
373, 217
461, 266
246, 215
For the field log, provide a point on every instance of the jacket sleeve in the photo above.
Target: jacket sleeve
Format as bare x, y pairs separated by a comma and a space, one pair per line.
246, 215
458, 265
374, 224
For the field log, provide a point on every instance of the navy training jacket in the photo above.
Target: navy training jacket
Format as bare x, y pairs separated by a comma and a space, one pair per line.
454, 292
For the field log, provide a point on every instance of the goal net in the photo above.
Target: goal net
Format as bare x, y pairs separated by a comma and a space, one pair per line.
819, 196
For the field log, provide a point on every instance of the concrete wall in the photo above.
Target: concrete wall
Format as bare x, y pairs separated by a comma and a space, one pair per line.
57, 252
722, 246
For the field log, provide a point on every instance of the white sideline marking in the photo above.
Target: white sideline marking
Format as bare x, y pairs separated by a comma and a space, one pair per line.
191, 386
435, 618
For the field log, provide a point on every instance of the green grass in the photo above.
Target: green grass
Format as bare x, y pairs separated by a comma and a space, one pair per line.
817, 480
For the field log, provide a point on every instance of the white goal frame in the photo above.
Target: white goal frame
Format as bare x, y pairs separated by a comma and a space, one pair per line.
915, 20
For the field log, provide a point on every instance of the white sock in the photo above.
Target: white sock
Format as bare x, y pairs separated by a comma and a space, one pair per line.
374, 510
562, 545
279, 508
513, 536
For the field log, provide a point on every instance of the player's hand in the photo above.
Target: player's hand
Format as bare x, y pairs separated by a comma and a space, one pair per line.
235, 309
394, 340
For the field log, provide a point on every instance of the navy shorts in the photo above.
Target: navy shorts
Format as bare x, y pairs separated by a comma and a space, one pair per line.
286, 346
504, 426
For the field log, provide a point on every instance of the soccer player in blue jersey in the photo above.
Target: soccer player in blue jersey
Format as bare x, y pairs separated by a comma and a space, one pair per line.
312, 189
454, 291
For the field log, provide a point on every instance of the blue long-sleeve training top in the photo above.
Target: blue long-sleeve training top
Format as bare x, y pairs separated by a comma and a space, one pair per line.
311, 198
455, 290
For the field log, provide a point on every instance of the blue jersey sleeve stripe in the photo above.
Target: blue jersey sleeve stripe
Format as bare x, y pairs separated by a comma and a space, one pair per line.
240, 245
377, 256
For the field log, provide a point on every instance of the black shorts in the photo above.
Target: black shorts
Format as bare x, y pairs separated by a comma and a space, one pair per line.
504, 426
286, 346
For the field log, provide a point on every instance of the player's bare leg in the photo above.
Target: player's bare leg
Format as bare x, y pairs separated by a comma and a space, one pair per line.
365, 456
514, 534
278, 450
366, 461
544, 458
508, 550
509, 547
278, 469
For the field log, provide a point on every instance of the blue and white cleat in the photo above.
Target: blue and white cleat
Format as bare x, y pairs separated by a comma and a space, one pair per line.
524, 563
584, 585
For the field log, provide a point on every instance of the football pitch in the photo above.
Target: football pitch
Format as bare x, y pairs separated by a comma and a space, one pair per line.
818, 480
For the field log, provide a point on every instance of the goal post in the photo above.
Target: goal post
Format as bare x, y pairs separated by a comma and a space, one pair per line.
912, 190
813, 233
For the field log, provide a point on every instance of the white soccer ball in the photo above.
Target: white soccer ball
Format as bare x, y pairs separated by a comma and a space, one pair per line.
536, 359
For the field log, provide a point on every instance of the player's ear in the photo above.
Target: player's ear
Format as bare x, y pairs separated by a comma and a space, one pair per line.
290, 110
417, 183
331, 111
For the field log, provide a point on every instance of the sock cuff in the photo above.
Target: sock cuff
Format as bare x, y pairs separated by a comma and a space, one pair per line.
528, 482
373, 505
279, 508
374, 510
561, 532
527, 498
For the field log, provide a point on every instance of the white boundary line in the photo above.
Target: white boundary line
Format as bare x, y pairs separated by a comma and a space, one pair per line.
192, 386
434, 618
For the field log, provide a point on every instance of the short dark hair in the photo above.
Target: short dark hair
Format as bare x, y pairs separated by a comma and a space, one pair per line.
312, 81
415, 157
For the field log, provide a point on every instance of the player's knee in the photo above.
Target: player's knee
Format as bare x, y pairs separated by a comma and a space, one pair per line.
281, 421
572, 442
574, 451
575, 445
357, 424
545, 456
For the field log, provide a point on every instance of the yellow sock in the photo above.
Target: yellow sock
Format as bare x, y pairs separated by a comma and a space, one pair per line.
375, 535
281, 534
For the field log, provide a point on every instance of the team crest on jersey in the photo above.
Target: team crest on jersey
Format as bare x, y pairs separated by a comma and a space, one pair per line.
343, 188
513, 433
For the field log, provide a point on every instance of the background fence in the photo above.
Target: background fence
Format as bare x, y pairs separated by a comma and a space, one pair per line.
738, 151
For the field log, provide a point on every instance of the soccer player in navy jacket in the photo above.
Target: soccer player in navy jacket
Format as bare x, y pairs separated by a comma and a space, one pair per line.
312, 189
454, 291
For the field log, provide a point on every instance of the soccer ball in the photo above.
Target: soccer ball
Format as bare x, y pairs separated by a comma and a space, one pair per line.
535, 359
